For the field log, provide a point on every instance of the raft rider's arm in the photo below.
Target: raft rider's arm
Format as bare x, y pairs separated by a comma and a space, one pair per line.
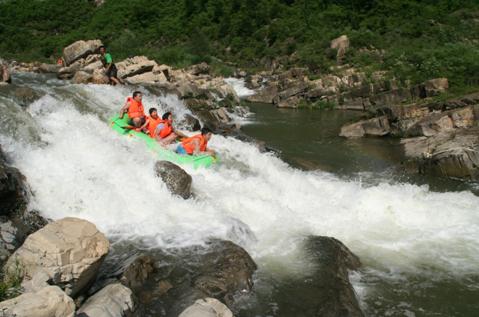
124, 109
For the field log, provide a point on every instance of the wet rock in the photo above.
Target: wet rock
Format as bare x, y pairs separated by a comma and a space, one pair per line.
218, 269
82, 77
26, 95
114, 300
450, 154
47, 302
371, 127
134, 66
5, 74
175, 178
341, 44
70, 252
207, 307
80, 49
99, 77
334, 293
13, 193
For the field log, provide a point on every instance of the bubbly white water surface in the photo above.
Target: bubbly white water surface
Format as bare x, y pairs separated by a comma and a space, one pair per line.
239, 87
77, 166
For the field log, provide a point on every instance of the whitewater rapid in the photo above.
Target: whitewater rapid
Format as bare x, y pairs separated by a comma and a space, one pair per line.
76, 166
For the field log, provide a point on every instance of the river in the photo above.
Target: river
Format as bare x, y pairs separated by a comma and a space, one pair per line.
419, 242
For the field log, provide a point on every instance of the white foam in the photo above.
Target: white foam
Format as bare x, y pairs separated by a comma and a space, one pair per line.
86, 170
239, 87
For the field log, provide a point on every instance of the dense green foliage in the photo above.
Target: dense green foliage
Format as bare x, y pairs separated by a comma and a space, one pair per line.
415, 39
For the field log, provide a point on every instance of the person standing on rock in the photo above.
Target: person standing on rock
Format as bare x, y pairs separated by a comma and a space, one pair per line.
164, 133
134, 107
4, 73
110, 68
197, 144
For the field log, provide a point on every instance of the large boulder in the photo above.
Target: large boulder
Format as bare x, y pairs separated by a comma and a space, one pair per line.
68, 252
175, 178
341, 44
207, 307
134, 66
99, 77
114, 300
80, 49
50, 301
372, 127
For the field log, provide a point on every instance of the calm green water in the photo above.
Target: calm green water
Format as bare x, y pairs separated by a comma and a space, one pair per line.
309, 139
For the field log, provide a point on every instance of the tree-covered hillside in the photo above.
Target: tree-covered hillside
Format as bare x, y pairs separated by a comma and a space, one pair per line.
415, 39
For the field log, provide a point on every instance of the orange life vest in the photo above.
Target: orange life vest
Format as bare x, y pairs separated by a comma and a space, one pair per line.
135, 110
189, 146
167, 128
152, 124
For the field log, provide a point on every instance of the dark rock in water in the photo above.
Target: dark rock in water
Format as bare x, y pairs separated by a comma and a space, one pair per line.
175, 278
192, 123
175, 178
26, 95
335, 294
322, 289
16, 222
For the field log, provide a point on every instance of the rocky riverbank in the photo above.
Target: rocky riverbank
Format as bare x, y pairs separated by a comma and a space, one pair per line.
67, 267
439, 137
209, 97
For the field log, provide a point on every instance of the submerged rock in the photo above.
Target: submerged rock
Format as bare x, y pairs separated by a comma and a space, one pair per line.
47, 302
68, 252
175, 178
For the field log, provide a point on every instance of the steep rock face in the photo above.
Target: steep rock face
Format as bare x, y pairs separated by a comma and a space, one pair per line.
449, 154
68, 252
47, 302
16, 222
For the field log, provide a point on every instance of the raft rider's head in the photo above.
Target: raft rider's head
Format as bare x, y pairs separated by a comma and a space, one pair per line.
206, 133
167, 116
137, 96
153, 113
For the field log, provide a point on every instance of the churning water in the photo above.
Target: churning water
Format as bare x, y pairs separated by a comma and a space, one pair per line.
77, 166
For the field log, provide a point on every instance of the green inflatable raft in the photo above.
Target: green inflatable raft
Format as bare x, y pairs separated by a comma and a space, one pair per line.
121, 126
